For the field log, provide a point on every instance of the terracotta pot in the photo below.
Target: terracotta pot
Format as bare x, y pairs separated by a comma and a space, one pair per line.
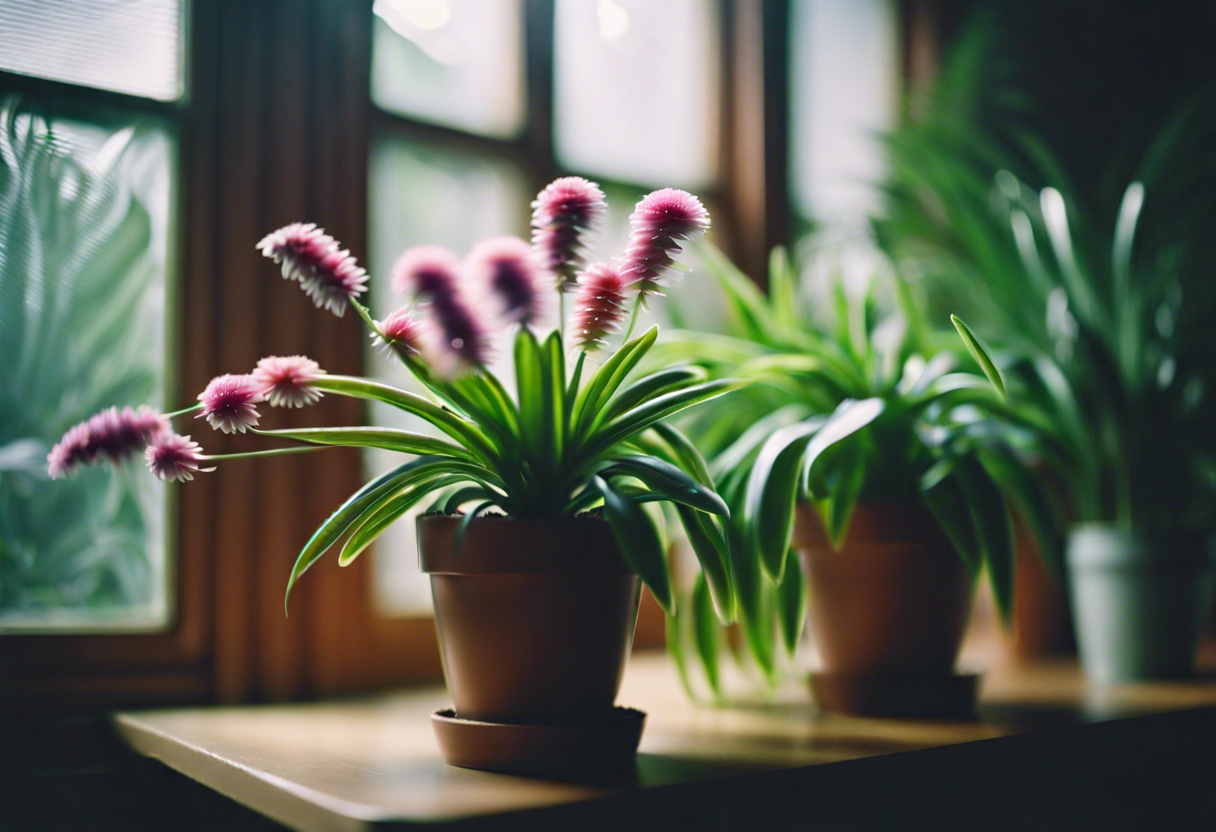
1042, 621
894, 601
535, 617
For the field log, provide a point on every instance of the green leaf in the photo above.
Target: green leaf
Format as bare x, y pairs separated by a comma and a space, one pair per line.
649, 387
791, 603
530, 387
994, 531
328, 532
979, 350
1029, 495
645, 415
848, 418
706, 632
943, 494
554, 366
772, 488
605, 381
639, 542
369, 437
463, 432
843, 490
712, 550
783, 288
744, 299
667, 480
384, 514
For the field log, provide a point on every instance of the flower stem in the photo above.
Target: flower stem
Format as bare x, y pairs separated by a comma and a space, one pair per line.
184, 411
633, 320
275, 452
366, 315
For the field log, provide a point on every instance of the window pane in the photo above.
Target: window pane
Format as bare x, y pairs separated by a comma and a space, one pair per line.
458, 63
843, 93
84, 239
130, 46
420, 194
636, 90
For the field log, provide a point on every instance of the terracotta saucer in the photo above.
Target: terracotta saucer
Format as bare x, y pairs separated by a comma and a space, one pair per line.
497, 746
897, 695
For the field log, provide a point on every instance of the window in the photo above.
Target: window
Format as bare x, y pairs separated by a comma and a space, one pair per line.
88, 192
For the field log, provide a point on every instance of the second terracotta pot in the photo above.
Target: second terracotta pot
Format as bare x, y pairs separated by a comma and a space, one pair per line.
535, 617
893, 601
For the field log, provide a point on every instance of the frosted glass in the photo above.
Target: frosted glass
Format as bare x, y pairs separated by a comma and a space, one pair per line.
420, 194
458, 63
636, 90
843, 93
129, 46
85, 225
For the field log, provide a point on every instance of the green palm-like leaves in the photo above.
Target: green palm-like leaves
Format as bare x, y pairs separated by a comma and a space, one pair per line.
564, 444
839, 412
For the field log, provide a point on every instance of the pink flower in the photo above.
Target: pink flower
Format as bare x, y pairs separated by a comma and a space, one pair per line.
228, 403
109, 436
327, 272
505, 266
399, 332
174, 458
565, 209
660, 220
455, 338
599, 306
286, 381
427, 272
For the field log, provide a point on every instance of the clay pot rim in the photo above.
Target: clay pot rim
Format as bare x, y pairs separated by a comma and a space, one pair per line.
501, 545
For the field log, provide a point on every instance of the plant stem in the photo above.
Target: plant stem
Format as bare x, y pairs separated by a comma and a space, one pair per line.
275, 452
561, 307
633, 320
184, 411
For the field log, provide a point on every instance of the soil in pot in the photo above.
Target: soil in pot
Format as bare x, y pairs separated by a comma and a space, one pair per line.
887, 612
535, 617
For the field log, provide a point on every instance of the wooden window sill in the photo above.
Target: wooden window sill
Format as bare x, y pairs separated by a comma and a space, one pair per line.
1045, 750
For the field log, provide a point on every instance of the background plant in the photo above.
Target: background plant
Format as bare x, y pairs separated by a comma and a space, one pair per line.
1095, 282
845, 408
76, 269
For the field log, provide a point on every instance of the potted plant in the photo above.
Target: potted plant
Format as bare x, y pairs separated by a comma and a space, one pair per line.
1104, 313
536, 602
879, 475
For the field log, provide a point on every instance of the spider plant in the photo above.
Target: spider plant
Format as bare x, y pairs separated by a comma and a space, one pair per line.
75, 264
1105, 321
839, 412
574, 436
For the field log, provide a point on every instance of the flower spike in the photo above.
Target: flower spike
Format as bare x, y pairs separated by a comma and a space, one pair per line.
504, 265
426, 272
286, 381
327, 272
174, 458
399, 332
228, 403
455, 338
659, 222
111, 436
562, 212
599, 307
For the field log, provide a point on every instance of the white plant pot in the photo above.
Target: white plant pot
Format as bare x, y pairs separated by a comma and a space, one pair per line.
1138, 600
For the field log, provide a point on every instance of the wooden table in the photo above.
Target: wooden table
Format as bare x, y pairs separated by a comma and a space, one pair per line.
1045, 751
